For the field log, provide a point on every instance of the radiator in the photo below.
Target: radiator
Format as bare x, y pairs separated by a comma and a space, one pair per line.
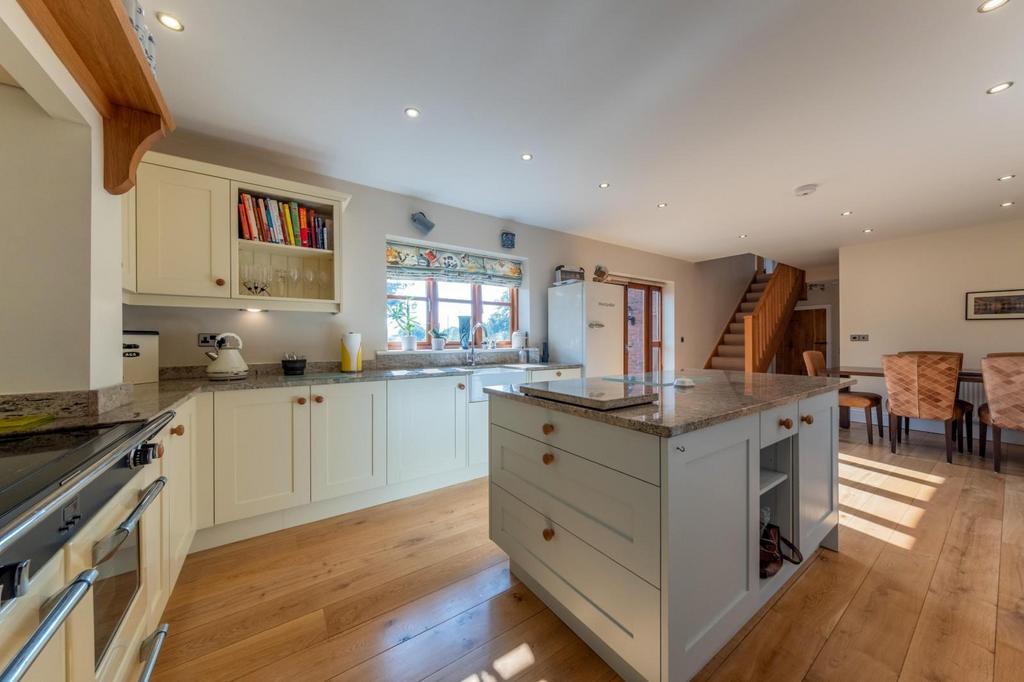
974, 393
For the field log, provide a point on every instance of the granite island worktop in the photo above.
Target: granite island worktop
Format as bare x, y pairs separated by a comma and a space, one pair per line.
149, 400
717, 397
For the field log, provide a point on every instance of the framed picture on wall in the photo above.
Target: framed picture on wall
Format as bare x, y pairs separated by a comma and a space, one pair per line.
995, 305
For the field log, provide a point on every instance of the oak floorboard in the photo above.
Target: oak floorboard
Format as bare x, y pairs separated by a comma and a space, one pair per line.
346, 601
393, 628
955, 634
1010, 614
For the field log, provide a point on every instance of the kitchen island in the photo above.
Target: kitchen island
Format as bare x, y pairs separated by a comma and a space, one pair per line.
640, 526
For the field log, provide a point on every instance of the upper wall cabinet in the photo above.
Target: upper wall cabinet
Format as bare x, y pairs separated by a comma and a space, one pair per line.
199, 235
183, 237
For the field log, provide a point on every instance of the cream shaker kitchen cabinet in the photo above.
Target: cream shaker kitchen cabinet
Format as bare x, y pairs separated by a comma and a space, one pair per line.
348, 438
19, 621
477, 441
426, 427
262, 445
183, 233
555, 374
178, 499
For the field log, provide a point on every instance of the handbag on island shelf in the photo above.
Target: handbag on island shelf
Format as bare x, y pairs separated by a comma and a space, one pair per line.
772, 544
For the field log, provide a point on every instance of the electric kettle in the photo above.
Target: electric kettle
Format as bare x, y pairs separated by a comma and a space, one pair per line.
227, 360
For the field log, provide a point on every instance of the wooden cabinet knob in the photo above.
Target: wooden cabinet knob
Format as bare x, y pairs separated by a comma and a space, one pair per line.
548, 429
807, 419
178, 430
462, 387
220, 281
548, 534
318, 398
160, 450
548, 458
301, 401
786, 423
558, 373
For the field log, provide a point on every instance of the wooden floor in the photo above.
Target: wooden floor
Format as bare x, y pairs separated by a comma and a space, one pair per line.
929, 585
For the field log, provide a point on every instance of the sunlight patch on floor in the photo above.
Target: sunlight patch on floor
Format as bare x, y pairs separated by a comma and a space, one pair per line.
508, 665
886, 534
872, 464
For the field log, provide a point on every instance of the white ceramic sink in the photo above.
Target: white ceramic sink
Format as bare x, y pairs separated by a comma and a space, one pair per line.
491, 376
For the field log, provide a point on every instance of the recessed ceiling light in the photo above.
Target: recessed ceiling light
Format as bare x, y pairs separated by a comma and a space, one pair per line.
663, 205
846, 213
743, 236
412, 112
868, 230
603, 185
1001, 87
255, 310
1004, 178
1007, 204
170, 21
526, 157
991, 5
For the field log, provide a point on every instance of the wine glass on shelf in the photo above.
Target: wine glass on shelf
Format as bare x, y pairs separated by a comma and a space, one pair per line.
255, 278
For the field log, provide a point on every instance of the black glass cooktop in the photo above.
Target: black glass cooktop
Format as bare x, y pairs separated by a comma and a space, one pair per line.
33, 464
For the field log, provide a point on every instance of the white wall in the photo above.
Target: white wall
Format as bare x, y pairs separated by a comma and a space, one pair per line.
44, 249
705, 293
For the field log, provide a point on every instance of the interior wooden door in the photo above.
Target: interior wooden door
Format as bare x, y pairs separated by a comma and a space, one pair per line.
808, 330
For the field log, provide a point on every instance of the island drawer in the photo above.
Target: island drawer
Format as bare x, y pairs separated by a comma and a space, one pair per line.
631, 452
778, 423
613, 603
617, 514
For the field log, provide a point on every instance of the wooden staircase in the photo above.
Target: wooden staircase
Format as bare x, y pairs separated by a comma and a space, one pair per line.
753, 334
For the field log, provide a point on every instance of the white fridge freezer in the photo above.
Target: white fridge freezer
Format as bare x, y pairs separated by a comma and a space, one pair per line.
585, 325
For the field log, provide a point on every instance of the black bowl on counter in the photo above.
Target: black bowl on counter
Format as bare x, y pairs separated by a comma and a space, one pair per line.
293, 368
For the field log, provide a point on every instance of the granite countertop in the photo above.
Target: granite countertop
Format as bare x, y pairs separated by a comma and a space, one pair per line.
719, 396
149, 400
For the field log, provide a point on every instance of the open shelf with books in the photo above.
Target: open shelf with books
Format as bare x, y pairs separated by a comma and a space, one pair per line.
284, 245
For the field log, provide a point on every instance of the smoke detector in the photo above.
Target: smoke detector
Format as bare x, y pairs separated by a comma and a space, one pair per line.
805, 190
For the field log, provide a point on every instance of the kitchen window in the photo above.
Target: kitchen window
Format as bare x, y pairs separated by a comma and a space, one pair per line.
439, 303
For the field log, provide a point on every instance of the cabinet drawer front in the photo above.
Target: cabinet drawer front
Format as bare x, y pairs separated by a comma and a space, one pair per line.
613, 603
617, 514
772, 428
631, 452
555, 374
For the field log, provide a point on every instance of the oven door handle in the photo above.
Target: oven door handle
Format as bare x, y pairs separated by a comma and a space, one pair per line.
105, 548
150, 651
54, 612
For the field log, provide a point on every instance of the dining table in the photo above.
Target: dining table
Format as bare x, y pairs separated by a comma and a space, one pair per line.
968, 375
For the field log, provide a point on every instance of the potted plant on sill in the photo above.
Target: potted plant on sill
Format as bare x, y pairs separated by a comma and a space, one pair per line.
438, 339
404, 316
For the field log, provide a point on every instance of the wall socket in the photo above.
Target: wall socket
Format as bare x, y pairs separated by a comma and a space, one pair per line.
207, 340
858, 337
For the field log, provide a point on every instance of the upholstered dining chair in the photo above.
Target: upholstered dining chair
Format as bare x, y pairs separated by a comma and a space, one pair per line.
1003, 374
814, 361
966, 409
922, 387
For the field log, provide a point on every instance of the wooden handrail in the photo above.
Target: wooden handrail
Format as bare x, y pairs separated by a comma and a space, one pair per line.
764, 328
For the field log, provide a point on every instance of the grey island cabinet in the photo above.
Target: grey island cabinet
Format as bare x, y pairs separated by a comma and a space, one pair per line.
640, 526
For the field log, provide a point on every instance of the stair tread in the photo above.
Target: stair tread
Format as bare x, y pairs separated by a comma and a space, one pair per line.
726, 363
727, 351
735, 328
730, 338
758, 286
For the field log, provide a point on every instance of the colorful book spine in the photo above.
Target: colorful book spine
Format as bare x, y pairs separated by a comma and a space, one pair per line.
303, 227
254, 224
289, 233
243, 223
292, 209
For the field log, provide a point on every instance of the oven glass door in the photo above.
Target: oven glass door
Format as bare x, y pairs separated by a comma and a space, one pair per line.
114, 591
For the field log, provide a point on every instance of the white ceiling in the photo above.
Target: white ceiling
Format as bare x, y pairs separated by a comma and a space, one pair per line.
720, 108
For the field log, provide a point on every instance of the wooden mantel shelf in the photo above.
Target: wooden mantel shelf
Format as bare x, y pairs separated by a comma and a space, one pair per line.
96, 42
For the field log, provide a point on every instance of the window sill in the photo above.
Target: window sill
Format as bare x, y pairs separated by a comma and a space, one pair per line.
452, 351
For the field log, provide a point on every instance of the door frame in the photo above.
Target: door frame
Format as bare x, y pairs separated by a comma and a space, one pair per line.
647, 288
829, 360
